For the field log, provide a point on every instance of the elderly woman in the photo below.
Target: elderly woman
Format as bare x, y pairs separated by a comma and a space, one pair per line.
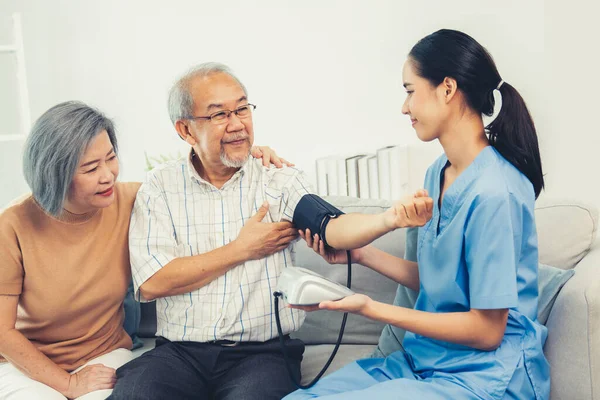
64, 261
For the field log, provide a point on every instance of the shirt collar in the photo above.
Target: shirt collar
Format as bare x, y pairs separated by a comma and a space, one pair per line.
195, 176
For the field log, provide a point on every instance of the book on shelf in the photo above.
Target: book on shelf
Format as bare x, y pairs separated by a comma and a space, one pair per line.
352, 175
331, 176
373, 177
322, 176
399, 172
393, 172
342, 181
387, 174
383, 168
332, 185
363, 176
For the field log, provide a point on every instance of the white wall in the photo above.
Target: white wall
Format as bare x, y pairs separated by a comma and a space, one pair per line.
326, 75
568, 112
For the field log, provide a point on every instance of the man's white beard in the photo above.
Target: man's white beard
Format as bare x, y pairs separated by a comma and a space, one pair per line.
233, 163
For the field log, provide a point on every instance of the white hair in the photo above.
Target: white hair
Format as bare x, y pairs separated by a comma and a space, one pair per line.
181, 102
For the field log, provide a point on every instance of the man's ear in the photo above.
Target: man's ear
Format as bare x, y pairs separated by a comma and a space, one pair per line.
184, 132
449, 88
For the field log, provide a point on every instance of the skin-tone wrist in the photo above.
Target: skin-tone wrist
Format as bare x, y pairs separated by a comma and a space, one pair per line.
67, 391
242, 251
65, 387
237, 248
367, 308
361, 255
386, 223
357, 256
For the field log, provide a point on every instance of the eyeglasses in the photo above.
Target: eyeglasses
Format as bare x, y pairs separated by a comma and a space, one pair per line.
222, 116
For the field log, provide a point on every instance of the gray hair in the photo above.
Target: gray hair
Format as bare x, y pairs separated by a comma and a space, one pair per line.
54, 148
181, 102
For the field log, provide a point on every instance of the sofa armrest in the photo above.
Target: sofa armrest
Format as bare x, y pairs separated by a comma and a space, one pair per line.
573, 345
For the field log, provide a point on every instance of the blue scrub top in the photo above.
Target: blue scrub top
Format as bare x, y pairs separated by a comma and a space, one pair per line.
480, 251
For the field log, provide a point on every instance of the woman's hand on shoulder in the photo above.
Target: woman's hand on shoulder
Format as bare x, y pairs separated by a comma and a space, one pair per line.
269, 156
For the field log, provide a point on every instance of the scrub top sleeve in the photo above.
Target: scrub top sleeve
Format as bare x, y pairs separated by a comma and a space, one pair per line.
490, 253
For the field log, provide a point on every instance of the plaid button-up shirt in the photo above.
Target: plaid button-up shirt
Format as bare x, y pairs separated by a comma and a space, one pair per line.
178, 214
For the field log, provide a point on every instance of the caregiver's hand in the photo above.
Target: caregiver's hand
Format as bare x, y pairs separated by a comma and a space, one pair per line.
329, 254
356, 304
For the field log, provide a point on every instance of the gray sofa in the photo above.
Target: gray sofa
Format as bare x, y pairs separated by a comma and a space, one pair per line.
567, 233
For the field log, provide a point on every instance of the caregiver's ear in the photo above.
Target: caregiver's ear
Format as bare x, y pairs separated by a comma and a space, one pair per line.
448, 88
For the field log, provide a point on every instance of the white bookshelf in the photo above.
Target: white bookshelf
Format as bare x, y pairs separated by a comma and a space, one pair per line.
17, 51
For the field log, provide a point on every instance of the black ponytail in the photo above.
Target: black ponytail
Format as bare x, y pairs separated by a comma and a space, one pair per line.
453, 54
513, 134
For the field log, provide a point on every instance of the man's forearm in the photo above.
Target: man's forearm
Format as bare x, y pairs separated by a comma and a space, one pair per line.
186, 274
351, 231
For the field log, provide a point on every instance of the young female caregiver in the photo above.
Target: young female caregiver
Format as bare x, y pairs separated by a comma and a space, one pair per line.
474, 332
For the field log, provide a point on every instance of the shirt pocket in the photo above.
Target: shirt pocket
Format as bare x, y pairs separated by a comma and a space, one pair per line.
275, 200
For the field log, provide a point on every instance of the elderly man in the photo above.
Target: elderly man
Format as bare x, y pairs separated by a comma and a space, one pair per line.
209, 237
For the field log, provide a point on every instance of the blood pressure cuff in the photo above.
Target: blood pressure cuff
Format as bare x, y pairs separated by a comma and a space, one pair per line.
314, 213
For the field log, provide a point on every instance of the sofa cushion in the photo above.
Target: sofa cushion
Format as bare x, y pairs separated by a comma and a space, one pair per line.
323, 326
550, 281
316, 356
566, 231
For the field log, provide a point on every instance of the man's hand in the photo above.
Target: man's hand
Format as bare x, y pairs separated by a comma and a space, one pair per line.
259, 239
91, 378
332, 256
410, 212
269, 156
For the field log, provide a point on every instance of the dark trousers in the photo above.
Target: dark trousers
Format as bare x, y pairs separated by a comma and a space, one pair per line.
190, 370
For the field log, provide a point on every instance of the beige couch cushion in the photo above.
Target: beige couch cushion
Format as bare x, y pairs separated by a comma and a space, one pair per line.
566, 231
